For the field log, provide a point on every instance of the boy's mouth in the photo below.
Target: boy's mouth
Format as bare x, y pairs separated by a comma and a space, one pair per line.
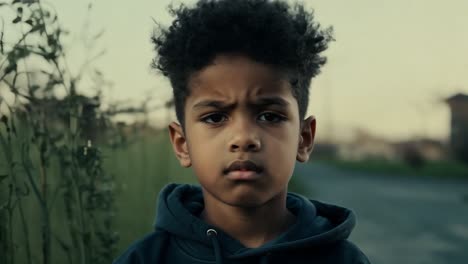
243, 170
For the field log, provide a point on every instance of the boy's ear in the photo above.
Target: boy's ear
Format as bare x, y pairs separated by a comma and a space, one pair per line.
306, 139
179, 144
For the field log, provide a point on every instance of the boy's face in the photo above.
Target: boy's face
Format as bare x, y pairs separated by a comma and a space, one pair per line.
241, 110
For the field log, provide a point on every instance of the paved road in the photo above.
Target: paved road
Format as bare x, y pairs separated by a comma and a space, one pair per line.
400, 219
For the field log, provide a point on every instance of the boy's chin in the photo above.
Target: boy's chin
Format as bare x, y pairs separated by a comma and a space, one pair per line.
248, 200
246, 204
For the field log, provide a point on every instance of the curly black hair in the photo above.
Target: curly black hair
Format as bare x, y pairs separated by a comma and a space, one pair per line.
270, 32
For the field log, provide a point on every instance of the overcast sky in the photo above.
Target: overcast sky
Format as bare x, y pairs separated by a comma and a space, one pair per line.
388, 72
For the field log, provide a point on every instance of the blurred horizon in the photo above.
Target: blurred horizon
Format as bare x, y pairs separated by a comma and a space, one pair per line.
388, 72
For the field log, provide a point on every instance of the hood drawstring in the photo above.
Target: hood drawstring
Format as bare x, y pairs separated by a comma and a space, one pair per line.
211, 233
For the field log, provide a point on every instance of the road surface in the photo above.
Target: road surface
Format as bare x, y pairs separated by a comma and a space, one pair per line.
400, 219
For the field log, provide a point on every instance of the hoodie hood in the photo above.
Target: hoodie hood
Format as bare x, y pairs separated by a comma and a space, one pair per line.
316, 223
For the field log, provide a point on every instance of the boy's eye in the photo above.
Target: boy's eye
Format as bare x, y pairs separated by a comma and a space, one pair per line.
271, 117
214, 118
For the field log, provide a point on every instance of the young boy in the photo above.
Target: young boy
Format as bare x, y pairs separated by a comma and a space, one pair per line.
240, 72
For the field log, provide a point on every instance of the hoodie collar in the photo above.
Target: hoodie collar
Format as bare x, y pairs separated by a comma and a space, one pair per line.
179, 207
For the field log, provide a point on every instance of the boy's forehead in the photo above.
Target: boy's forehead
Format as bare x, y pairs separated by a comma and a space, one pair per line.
221, 102
234, 78
206, 95
225, 66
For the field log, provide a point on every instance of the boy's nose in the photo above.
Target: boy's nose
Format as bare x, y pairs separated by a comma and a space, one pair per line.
246, 146
244, 136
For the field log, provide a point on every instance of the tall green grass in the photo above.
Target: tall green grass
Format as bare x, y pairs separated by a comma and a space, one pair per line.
140, 171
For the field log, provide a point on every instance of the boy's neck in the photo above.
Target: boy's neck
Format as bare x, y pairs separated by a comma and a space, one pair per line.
253, 227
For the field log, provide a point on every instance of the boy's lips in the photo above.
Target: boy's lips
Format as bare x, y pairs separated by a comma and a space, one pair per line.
243, 170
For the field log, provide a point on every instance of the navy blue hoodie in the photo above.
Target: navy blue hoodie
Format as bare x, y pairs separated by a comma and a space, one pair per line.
319, 235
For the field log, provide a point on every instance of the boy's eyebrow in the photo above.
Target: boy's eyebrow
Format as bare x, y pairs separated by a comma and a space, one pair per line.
274, 100
264, 101
210, 103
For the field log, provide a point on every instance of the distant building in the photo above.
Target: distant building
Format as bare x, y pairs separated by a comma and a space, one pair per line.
427, 149
366, 146
459, 123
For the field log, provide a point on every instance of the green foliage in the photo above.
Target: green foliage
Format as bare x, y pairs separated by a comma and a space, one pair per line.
71, 181
56, 200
